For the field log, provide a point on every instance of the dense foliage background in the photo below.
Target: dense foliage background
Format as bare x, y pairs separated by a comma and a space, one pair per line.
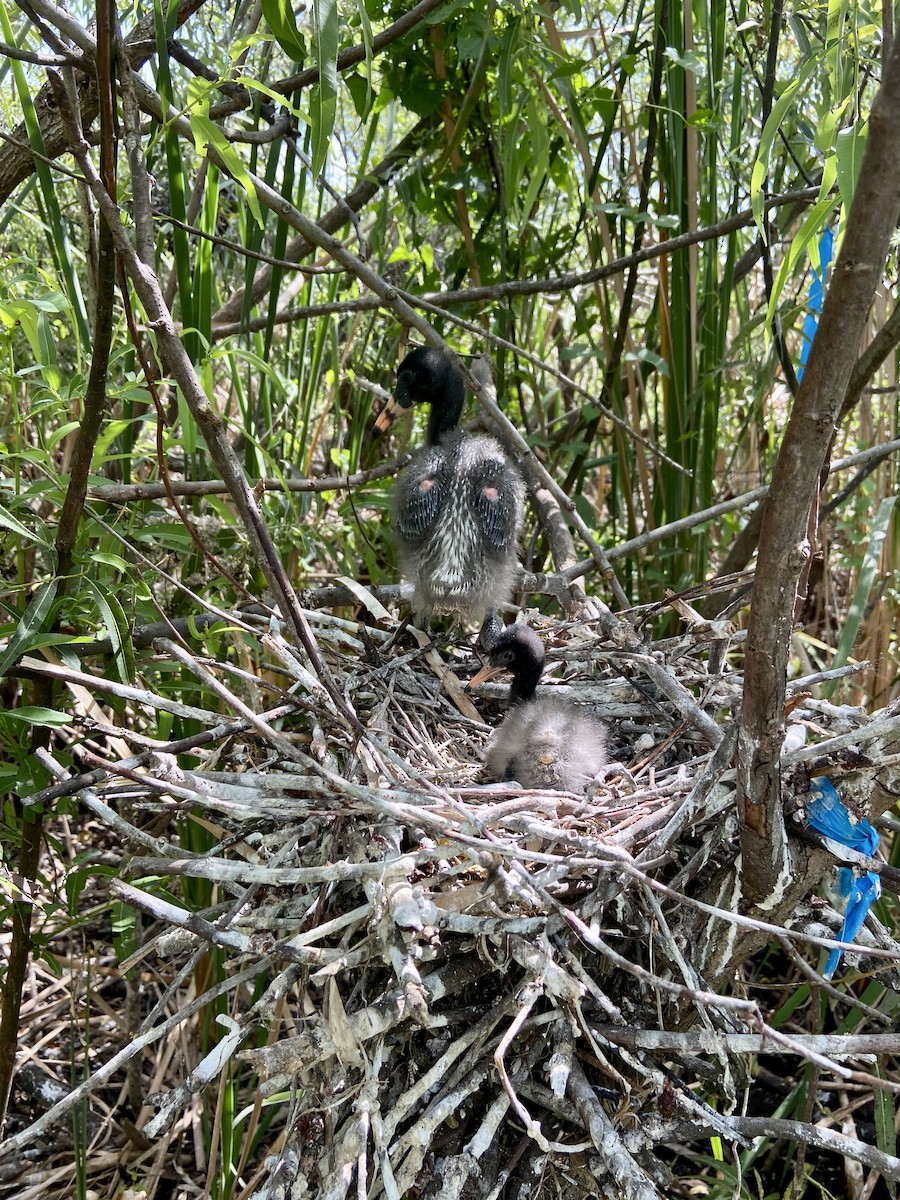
523, 168
629, 208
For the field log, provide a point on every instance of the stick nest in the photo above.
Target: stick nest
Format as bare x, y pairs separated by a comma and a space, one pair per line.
427, 986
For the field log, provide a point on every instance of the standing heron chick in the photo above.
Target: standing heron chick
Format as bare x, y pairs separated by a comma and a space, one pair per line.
459, 504
542, 743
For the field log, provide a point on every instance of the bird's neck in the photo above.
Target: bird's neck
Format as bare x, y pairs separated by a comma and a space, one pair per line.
444, 415
523, 687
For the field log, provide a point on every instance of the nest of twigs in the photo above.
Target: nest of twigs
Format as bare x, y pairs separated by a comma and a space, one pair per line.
436, 987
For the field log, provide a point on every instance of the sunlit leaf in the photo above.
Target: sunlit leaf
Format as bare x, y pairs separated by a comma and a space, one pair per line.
280, 18
849, 150
767, 139
323, 101
13, 525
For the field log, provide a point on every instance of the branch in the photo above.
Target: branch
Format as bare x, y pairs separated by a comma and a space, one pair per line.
870, 360
16, 162
357, 54
516, 287
334, 219
128, 493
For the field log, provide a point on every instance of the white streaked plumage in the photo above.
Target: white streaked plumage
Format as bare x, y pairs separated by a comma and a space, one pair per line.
459, 504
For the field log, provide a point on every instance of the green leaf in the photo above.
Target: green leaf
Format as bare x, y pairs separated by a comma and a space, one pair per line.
368, 39
539, 150
33, 323
324, 94
33, 714
767, 140
257, 85
703, 118
688, 61
807, 236
208, 135
124, 926
280, 18
649, 356
31, 623
8, 521
885, 1135
115, 624
177, 176
360, 93
790, 1006
110, 560
57, 435
867, 577
850, 146
445, 12
58, 238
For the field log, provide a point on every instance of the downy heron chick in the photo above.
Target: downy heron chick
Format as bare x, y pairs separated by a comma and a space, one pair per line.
459, 504
542, 742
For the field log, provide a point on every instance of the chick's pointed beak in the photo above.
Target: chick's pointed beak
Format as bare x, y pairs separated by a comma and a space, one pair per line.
487, 672
394, 408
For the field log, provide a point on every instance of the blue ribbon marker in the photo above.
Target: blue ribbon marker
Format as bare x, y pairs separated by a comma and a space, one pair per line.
816, 298
828, 815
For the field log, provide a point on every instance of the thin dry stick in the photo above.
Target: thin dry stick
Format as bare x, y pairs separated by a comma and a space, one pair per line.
112, 1066
530, 287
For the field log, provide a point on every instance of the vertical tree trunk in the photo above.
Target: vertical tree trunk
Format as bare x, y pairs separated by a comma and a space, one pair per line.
784, 547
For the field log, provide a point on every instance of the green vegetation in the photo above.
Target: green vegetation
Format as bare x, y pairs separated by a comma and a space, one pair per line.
622, 206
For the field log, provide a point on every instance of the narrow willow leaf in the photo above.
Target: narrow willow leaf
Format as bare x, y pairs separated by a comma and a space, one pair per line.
539, 159
809, 233
207, 134
61, 431
835, 43
8, 521
767, 140
115, 429
257, 85
323, 101
795, 1001
116, 561
259, 366
115, 624
368, 37
280, 19
33, 323
850, 146
203, 283
33, 714
33, 622
506, 73
885, 1129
